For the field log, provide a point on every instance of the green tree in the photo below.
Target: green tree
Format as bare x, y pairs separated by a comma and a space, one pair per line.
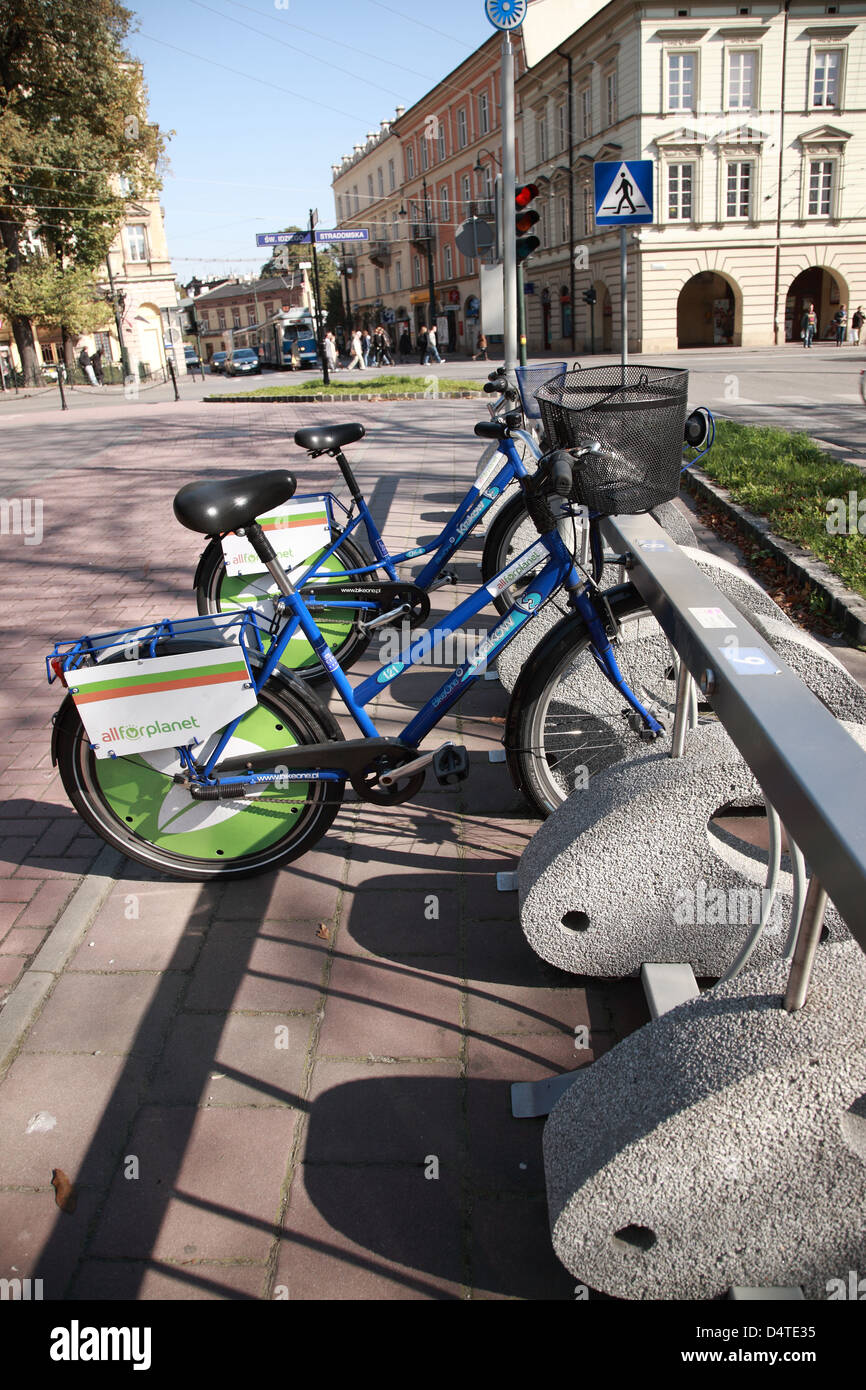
57, 296
73, 117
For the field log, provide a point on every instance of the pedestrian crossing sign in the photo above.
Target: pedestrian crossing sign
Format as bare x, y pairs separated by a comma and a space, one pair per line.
623, 192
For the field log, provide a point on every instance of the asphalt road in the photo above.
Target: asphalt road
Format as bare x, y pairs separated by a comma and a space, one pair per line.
815, 391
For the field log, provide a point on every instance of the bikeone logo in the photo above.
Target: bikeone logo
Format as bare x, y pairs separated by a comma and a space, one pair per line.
448, 688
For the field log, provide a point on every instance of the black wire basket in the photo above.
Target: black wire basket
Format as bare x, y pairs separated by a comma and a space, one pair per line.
628, 423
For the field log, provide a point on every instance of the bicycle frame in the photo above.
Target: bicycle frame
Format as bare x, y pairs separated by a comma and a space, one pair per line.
478, 500
557, 571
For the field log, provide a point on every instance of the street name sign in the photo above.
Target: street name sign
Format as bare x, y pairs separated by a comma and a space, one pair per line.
303, 238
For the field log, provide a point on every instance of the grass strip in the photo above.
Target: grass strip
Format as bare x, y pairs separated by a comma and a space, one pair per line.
375, 386
806, 495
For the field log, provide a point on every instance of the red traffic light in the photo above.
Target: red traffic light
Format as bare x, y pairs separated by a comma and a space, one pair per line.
524, 196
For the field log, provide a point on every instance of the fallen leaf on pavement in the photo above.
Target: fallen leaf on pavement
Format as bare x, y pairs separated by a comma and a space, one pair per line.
64, 1192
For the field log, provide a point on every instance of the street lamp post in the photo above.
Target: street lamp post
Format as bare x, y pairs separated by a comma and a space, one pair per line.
348, 272
431, 276
118, 300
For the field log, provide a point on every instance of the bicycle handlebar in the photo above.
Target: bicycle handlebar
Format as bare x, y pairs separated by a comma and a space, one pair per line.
562, 474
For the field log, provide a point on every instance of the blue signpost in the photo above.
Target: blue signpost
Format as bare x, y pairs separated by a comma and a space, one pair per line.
623, 197
304, 238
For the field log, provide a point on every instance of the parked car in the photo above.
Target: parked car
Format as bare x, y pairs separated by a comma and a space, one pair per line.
218, 362
193, 361
304, 353
242, 361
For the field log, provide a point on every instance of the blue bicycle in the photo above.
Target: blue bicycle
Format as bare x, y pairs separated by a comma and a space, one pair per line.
261, 788
355, 591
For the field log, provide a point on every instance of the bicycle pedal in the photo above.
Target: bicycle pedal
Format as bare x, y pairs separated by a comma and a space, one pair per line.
451, 765
443, 578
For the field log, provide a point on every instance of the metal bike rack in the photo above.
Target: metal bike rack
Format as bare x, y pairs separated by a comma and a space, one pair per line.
811, 772
795, 747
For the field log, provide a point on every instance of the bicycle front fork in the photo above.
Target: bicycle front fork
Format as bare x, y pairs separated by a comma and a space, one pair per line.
643, 722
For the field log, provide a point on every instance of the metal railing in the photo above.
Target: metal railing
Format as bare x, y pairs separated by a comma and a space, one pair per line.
810, 771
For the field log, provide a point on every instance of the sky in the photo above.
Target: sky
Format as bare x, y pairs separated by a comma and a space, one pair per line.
264, 96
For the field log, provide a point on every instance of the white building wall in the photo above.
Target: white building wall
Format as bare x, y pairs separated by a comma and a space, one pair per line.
664, 257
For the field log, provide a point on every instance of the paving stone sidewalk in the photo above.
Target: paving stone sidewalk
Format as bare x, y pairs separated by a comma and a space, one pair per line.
296, 1085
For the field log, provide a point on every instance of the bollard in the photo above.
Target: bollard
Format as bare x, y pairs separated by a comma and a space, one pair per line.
63, 404
173, 379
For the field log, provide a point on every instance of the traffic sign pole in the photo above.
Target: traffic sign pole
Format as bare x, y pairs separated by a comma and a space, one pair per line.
509, 231
623, 197
320, 337
521, 315
623, 282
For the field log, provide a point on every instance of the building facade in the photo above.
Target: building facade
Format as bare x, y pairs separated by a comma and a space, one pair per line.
239, 304
139, 274
138, 278
414, 183
367, 194
753, 117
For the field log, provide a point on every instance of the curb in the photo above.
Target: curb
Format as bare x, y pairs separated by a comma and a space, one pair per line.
31, 991
365, 396
841, 601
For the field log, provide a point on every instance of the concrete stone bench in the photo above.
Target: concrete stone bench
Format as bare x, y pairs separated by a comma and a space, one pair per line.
630, 871
723, 1144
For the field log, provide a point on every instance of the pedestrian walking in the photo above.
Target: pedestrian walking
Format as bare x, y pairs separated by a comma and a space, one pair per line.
422, 344
357, 356
366, 343
482, 349
96, 363
840, 318
405, 346
856, 325
808, 325
331, 352
383, 348
86, 365
431, 343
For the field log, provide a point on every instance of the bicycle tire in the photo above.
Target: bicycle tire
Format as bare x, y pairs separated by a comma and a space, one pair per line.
215, 592
133, 804
564, 715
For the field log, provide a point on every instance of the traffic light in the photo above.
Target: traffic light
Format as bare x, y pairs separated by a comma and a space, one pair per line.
589, 296
526, 218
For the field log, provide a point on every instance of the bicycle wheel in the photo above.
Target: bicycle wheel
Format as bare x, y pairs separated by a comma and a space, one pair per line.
134, 804
566, 722
216, 592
